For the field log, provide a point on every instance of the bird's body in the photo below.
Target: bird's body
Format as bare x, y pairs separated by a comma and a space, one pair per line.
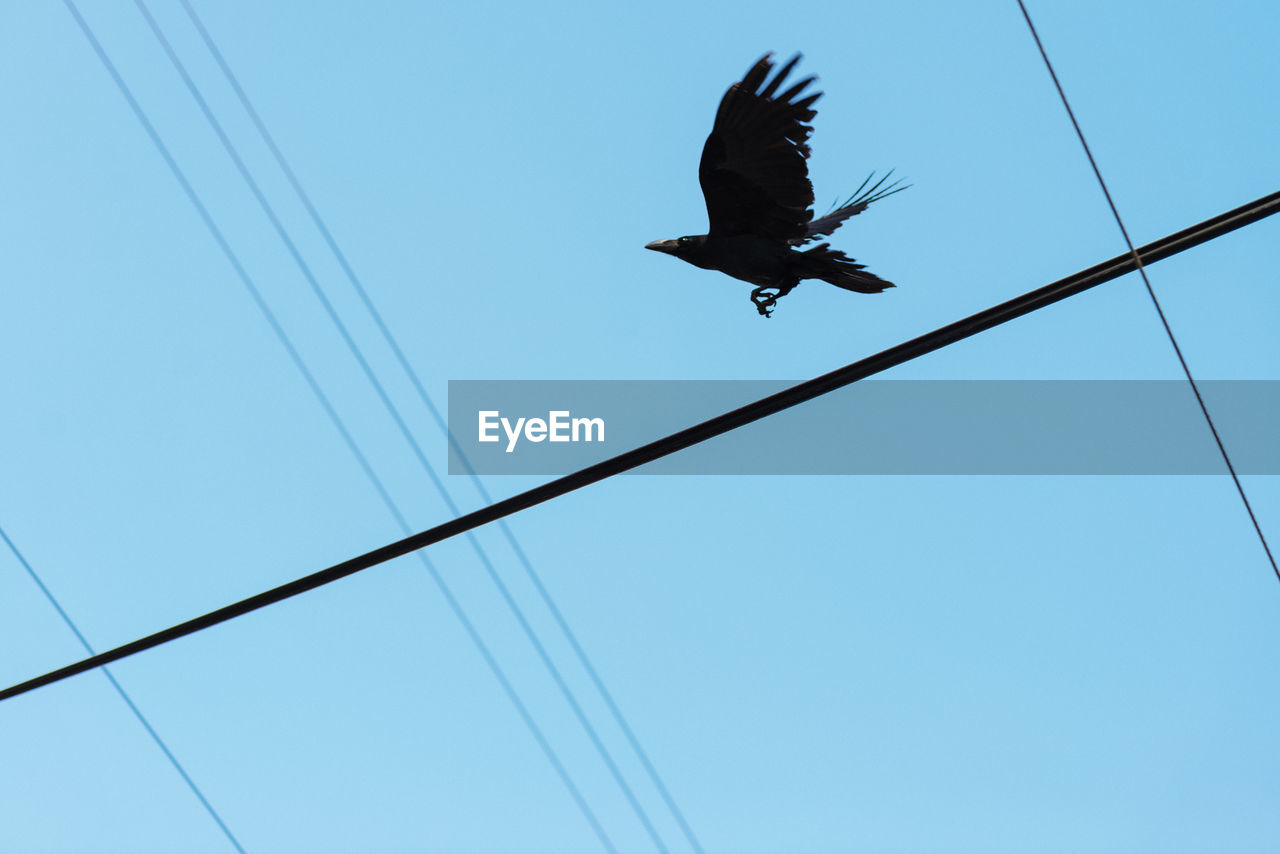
759, 199
743, 256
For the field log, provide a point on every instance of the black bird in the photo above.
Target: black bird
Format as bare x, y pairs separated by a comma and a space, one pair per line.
759, 199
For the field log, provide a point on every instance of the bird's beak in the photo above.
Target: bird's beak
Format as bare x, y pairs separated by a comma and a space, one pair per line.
667, 246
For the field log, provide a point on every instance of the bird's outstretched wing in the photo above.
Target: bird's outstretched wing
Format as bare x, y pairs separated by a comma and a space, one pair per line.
854, 205
753, 169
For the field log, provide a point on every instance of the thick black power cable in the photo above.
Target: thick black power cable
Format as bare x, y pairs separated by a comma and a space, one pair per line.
1164, 321
347, 438
124, 695
793, 396
439, 420
403, 427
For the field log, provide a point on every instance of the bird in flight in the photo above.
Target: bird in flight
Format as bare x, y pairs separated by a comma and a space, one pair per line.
759, 199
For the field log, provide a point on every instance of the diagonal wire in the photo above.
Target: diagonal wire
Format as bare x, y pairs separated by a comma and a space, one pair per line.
921, 345
280, 334
439, 420
124, 695
1142, 271
403, 427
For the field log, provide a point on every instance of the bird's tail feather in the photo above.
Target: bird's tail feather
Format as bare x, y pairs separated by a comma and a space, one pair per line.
833, 266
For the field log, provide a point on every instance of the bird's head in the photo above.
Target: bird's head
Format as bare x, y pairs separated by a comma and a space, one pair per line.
681, 247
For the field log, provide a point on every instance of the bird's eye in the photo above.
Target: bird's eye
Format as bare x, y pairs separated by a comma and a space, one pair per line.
684, 241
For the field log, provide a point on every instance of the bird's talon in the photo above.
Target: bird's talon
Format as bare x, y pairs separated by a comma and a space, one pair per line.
766, 298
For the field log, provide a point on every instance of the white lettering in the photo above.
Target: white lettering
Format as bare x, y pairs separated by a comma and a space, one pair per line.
557, 427
535, 430
512, 435
559, 422
486, 424
587, 424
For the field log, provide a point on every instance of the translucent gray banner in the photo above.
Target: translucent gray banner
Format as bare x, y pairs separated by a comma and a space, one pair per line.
551, 427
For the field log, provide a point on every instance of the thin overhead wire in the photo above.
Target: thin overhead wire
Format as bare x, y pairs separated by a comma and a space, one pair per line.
124, 695
1142, 271
338, 423
785, 399
405, 365
369, 374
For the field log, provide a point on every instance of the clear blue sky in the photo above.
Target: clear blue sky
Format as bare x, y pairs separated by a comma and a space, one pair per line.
814, 664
